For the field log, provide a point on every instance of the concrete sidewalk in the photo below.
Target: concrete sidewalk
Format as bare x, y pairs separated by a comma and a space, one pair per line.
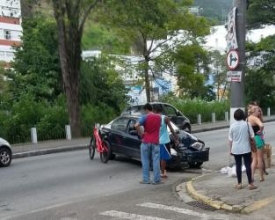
217, 190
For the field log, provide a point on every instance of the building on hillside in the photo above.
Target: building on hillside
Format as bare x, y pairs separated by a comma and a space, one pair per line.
10, 28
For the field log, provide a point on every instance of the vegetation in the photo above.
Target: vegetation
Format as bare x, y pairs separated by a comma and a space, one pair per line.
152, 27
260, 84
215, 10
193, 107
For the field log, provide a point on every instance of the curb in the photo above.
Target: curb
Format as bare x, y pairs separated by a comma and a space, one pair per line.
48, 151
219, 205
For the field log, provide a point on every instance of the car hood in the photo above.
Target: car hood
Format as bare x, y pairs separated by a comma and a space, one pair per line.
4, 142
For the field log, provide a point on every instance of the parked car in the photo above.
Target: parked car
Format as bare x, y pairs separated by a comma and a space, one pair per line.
123, 140
5, 153
173, 113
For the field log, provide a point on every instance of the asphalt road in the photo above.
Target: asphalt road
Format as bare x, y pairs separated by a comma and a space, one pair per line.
68, 186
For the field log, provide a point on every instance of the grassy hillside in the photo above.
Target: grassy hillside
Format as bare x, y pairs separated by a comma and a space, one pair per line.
215, 10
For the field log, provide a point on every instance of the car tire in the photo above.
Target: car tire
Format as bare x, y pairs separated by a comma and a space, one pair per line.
195, 164
5, 157
92, 148
104, 156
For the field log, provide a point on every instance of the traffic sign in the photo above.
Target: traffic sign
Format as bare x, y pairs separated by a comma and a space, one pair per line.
232, 59
234, 76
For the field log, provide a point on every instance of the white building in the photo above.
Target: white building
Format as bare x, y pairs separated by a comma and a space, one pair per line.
10, 28
217, 39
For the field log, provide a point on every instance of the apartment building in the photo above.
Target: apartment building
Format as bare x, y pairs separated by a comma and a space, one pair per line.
10, 28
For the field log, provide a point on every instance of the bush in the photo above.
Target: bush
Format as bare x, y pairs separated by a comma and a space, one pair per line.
191, 108
91, 114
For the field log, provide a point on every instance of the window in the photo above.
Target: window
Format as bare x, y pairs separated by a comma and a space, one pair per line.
120, 124
170, 111
7, 34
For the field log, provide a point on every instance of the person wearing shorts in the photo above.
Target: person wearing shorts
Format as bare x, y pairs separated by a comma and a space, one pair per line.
164, 140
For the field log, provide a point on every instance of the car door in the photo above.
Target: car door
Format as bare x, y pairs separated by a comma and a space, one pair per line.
117, 134
132, 142
172, 113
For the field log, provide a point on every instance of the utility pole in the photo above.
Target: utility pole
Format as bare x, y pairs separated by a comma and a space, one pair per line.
236, 55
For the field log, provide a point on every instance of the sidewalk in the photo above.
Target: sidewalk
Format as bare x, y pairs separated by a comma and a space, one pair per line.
217, 190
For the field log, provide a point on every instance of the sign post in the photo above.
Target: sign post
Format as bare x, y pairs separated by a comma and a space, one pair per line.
236, 54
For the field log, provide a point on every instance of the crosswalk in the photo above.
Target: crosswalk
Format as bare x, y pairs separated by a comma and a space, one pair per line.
132, 216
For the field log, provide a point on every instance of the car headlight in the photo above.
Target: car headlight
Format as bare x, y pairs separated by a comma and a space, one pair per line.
173, 152
197, 146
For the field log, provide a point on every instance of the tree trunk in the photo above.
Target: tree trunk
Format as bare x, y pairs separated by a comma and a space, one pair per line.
147, 82
69, 40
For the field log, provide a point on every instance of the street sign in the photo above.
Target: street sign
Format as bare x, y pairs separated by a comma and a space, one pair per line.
234, 76
231, 36
232, 59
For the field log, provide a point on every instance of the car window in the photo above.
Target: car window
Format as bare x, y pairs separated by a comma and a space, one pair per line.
170, 111
131, 125
120, 124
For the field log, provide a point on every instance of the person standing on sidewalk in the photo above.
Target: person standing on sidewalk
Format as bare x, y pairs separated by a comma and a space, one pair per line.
151, 123
240, 147
257, 127
250, 109
164, 140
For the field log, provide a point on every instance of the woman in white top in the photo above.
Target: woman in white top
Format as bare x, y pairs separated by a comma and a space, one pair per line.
240, 147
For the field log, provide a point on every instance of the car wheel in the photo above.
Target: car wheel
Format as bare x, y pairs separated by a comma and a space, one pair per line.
105, 154
92, 147
5, 157
195, 164
187, 128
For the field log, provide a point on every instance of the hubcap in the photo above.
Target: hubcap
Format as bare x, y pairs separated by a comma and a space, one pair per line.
4, 157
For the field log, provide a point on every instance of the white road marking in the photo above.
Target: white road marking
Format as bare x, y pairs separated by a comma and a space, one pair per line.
125, 215
181, 210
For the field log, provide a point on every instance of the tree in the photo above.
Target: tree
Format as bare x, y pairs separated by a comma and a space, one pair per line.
219, 72
155, 27
100, 83
36, 67
70, 16
190, 62
261, 72
260, 12
215, 10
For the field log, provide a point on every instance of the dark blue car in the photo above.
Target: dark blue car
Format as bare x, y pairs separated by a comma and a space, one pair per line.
123, 140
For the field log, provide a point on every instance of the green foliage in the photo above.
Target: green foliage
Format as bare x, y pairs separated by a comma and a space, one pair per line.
190, 61
214, 10
36, 68
52, 124
260, 87
100, 83
144, 21
92, 114
98, 37
260, 12
259, 84
192, 107
49, 119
